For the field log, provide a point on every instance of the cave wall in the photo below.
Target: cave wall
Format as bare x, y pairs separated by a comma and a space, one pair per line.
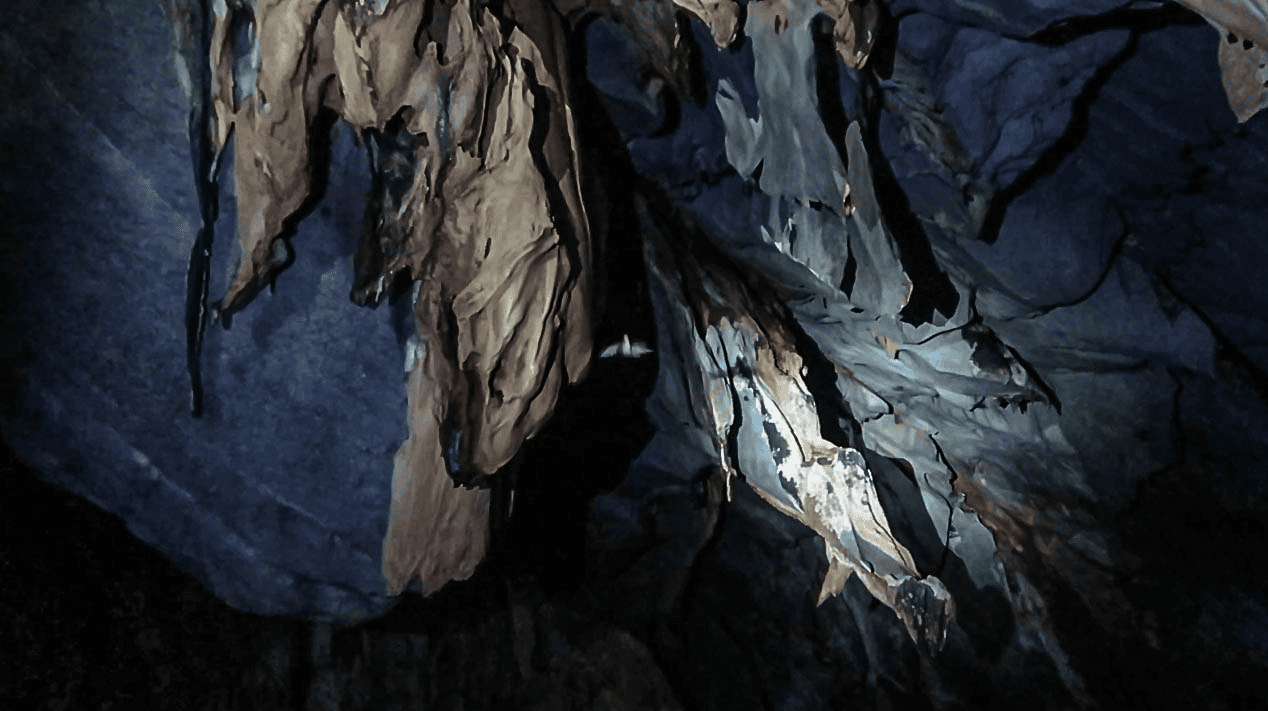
97, 150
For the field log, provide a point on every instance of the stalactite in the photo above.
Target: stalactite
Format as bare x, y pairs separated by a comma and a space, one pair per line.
467, 118
469, 127
490, 223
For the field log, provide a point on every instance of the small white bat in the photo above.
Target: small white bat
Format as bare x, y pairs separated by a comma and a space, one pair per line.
625, 348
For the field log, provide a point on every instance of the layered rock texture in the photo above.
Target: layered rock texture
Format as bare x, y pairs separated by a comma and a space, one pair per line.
796, 353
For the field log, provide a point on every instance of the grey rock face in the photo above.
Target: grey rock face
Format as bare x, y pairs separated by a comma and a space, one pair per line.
1011, 19
275, 499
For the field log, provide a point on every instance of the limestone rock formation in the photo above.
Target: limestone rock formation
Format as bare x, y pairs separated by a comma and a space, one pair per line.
954, 384
478, 203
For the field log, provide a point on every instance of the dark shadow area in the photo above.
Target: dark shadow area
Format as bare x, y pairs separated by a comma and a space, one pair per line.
319, 143
1194, 589
1139, 19
393, 163
905, 510
828, 73
698, 88
599, 425
206, 166
881, 59
732, 658
94, 618
836, 422
1232, 359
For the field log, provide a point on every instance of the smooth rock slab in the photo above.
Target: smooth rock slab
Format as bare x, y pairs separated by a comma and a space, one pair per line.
277, 498
1013, 18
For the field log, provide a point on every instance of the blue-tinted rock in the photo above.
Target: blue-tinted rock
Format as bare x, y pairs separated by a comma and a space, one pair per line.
613, 61
1122, 423
695, 151
789, 114
1008, 101
1186, 181
1013, 18
1056, 240
1120, 325
1109, 272
277, 498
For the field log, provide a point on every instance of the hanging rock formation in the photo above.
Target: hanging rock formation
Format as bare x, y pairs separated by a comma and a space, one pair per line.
486, 218
478, 203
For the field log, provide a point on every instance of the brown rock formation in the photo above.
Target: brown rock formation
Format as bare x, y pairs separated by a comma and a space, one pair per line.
492, 227
483, 212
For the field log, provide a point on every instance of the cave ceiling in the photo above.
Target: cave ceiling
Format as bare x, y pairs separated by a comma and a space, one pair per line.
960, 301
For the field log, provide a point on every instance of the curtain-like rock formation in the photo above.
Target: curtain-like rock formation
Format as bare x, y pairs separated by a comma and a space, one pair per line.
486, 219
478, 203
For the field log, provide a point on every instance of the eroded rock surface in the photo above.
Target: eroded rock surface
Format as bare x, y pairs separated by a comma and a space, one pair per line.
491, 229
485, 217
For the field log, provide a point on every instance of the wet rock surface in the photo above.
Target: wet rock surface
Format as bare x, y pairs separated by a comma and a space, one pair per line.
1017, 254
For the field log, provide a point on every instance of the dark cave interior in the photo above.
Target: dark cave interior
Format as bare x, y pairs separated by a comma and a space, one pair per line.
1036, 318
